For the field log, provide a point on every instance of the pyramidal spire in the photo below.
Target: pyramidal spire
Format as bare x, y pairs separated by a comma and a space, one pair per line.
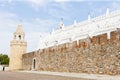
19, 28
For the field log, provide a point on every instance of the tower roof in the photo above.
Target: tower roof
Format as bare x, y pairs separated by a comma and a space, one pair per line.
19, 29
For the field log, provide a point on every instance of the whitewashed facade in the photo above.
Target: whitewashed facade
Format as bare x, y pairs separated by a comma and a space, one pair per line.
89, 28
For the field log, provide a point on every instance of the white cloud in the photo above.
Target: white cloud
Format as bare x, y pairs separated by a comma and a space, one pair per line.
7, 24
8, 20
115, 6
41, 25
36, 4
68, 0
5, 38
62, 0
33, 40
10, 1
61, 10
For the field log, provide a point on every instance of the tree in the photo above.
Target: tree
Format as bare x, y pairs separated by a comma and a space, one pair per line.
4, 59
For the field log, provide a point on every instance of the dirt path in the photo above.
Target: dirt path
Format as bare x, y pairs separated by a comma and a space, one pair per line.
32, 76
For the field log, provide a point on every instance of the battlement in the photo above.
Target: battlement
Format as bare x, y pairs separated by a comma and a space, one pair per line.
101, 39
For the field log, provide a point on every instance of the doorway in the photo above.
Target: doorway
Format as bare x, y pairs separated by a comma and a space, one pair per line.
34, 61
34, 64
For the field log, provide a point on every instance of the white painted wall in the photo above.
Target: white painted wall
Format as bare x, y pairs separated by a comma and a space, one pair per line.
92, 27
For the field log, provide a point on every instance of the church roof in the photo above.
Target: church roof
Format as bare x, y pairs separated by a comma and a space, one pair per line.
99, 25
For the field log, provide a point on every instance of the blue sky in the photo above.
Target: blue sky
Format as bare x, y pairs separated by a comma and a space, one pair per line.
39, 17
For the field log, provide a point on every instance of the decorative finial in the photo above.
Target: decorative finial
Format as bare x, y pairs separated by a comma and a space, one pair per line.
52, 31
107, 12
89, 18
75, 23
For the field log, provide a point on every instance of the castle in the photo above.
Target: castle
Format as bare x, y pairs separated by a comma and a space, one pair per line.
91, 46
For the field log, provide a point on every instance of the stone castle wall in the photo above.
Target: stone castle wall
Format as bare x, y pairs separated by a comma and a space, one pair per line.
97, 55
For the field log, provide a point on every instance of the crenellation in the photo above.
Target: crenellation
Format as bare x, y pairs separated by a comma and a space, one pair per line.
113, 37
75, 44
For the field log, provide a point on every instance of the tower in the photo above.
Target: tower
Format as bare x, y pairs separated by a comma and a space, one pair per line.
17, 48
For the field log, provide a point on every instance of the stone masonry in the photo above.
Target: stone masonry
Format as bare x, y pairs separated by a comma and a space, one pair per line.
96, 55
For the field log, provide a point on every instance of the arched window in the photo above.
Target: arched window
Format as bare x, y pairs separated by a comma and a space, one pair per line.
19, 37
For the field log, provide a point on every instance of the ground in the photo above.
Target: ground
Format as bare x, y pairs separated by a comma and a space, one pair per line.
32, 76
